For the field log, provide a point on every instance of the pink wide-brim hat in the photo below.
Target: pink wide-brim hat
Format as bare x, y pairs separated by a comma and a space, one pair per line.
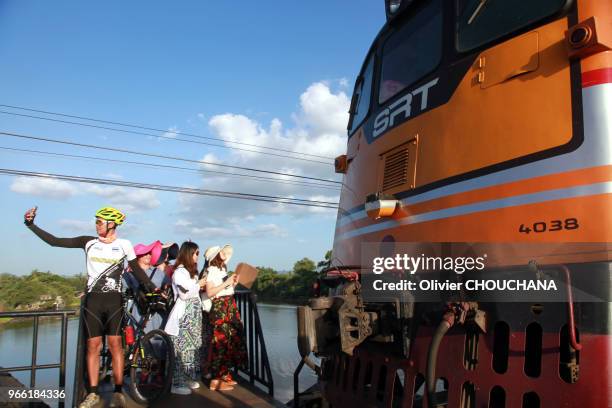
155, 249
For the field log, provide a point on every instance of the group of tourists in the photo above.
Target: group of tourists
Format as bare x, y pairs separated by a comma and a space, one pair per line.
203, 323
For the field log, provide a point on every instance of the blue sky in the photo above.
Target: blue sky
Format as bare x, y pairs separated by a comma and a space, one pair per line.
270, 73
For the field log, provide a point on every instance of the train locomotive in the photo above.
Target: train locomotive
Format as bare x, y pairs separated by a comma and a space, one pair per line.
476, 126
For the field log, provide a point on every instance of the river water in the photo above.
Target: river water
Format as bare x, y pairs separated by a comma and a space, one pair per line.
278, 323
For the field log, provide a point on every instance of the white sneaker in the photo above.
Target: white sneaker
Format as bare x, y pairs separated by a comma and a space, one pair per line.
91, 401
180, 390
194, 385
118, 400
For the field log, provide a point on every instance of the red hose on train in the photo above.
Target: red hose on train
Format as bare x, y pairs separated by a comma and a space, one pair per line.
570, 303
448, 320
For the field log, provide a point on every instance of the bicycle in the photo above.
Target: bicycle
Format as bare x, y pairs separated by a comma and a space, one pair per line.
149, 357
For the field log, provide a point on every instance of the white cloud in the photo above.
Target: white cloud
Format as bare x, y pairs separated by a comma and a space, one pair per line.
78, 226
126, 199
232, 228
317, 128
324, 199
113, 176
269, 229
172, 132
209, 158
182, 223
43, 187
104, 191
326, 112
82, 227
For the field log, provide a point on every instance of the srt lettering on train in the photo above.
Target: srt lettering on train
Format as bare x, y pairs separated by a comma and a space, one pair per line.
386, 118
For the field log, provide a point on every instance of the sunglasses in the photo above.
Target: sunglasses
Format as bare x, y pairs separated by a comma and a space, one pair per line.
99, 222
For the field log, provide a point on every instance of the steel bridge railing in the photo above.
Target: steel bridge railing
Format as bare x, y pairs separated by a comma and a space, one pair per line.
259, 366
258, 369
80, 366
33, 366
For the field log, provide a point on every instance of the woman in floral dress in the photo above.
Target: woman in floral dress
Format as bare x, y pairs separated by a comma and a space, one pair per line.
227, 349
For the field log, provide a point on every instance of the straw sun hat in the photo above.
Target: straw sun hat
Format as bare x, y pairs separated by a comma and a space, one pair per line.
227, 251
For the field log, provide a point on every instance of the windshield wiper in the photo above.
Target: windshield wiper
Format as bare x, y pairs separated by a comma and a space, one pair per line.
476, 12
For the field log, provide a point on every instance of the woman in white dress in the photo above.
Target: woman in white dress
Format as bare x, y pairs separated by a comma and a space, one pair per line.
184, 324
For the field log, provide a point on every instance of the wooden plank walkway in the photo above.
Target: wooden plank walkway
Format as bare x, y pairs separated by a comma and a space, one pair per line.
7, 381
243, 395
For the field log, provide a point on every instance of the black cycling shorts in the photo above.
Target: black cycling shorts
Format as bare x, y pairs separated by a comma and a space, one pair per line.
103, 314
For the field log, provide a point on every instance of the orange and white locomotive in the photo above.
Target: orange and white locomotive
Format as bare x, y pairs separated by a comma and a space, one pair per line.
484, 121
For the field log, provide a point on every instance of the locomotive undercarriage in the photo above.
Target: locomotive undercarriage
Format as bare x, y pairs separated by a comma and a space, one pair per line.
402, 353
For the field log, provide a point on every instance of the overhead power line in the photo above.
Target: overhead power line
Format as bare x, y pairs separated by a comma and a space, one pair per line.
175, 189
159, 156
161, 130
174, 139
170, 167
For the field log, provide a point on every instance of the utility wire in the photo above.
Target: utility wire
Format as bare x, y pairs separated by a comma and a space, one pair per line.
176, 189
159, 156
166, 166
161, 130
175, 139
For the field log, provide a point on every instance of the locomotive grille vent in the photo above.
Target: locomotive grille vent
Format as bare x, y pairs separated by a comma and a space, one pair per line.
396, 169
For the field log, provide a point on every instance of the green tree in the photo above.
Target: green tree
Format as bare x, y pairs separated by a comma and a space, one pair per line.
22, 290
304, 265
265, 284
301, 279
326, 261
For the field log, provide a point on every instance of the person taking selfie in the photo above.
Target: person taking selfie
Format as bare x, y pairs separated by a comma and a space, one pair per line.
106, 259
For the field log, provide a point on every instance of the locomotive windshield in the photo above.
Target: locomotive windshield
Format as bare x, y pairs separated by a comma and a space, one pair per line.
361, 97
482, 21
412, 51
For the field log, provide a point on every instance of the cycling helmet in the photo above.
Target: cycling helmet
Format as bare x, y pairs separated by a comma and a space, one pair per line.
111, 214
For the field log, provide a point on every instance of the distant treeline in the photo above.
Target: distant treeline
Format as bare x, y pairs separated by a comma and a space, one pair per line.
40, 288
293, 287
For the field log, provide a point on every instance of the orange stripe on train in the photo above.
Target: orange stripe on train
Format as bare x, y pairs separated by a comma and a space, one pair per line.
526, 186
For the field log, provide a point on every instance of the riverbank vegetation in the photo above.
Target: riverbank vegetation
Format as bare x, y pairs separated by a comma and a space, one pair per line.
48, 291
294, 287
39, 291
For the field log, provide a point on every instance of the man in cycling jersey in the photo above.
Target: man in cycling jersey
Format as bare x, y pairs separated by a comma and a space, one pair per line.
106, 259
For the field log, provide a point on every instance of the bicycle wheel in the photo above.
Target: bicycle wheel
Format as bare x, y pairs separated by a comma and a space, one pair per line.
151, 367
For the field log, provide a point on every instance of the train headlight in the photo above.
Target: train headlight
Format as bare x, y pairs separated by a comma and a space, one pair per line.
588, 37
393, 6
380, 207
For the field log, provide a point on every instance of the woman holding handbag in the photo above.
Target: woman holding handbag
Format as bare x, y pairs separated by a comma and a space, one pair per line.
227, 349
